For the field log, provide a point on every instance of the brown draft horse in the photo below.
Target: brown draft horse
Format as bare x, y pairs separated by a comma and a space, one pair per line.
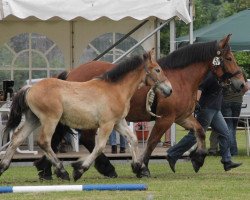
185, 68
101, 103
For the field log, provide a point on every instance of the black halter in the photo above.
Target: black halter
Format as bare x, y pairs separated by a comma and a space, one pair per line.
218, 61
148, 74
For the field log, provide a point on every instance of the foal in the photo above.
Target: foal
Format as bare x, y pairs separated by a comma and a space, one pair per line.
101, 103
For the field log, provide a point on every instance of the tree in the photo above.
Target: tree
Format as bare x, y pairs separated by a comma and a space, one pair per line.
206, 12
243, 60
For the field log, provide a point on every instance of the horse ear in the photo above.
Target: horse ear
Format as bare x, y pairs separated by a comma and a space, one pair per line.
224, 41
151, 54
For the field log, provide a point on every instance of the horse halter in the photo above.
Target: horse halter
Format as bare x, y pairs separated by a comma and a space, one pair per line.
149, 74
218, 61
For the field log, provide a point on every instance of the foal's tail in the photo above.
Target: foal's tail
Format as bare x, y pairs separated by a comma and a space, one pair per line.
18, 107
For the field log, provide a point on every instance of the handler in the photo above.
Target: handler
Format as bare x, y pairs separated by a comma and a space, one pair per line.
210, 99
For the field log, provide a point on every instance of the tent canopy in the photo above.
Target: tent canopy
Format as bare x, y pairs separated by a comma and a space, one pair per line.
238, 25
94, 9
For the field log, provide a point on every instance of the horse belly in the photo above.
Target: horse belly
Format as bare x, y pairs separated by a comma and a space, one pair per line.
80, 119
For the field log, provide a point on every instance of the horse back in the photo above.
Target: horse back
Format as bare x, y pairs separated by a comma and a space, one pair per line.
88, 71
94, 69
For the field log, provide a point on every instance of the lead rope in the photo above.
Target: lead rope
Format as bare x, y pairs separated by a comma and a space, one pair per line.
149, 102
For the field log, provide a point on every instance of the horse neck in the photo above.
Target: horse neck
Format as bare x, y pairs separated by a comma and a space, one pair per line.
131, 81
191, 75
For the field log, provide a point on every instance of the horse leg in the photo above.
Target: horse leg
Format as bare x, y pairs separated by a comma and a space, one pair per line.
198, 156
80, 166
44, 141
102, 163
43, 165
17, 139
124, 129
160, 127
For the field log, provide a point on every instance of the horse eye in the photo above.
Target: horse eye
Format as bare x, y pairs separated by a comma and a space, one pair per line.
158, 70
229, 59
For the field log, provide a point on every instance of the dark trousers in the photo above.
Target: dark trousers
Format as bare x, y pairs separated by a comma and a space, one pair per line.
206, 117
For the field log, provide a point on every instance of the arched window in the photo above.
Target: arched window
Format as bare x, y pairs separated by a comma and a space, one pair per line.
29, 56
103, 42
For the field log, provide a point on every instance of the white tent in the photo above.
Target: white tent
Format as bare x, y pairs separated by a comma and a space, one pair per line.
94, 9
40, 38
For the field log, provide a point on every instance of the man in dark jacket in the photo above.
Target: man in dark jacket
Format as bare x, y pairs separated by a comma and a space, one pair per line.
210, 92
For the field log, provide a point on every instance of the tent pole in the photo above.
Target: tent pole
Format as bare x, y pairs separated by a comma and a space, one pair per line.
158, 41
72, 43
172, 35
132, 48
123, 38
191, 24
172, 48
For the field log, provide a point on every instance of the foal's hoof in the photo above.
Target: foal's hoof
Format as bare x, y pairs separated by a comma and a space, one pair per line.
63, 174
78, 170
143, 172
136, 167
44, 177
111, 174
197, 159
77, 174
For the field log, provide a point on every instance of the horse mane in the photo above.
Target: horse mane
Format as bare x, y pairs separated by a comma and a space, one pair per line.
63, 75
122, 69
193, 53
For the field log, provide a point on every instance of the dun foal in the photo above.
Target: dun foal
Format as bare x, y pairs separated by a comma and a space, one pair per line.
101, 103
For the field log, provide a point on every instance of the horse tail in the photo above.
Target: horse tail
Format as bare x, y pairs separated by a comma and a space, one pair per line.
18, 108
63, 75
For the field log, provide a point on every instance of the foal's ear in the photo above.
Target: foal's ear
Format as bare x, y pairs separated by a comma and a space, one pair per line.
224, 41
149, 55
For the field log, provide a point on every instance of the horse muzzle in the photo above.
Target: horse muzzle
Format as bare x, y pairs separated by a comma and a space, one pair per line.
239, 86
164, 88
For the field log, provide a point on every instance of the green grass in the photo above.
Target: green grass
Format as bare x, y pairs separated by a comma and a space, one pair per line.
210, 183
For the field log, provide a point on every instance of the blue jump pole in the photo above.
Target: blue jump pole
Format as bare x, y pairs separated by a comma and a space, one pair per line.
57, 188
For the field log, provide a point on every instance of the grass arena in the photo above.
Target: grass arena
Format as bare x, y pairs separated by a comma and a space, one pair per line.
211, 182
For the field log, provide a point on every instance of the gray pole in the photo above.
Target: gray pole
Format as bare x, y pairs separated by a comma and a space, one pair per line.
172, 48
132, 48
191, 25
172, 35
119, 41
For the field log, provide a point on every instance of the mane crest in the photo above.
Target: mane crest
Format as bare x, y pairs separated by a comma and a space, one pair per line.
193, 53
122, 69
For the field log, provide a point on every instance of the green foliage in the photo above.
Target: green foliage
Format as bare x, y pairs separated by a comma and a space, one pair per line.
243, 60
206, 12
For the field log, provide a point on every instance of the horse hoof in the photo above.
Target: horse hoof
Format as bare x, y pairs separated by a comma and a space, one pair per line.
78, 170
197, 159
45, 177
144, 172
112, 174
64, 175
77, 174
136, 167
